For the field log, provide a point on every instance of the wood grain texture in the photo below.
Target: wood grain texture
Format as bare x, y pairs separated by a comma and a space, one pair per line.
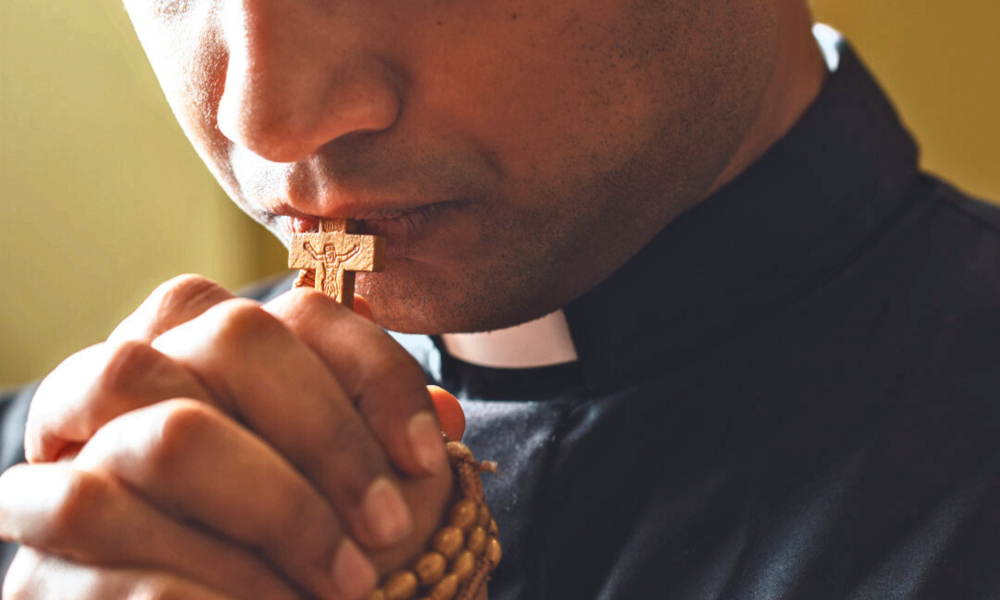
334, 254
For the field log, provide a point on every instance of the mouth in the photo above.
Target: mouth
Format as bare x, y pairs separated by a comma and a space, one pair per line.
402, 227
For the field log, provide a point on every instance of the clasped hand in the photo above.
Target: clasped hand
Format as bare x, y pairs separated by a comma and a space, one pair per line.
217, 449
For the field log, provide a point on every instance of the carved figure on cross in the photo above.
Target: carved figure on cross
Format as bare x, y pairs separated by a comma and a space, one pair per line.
334, 254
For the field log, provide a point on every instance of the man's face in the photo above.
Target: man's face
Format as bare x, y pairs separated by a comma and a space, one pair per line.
513, 152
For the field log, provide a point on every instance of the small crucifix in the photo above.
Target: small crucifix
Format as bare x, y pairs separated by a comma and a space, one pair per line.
333, 255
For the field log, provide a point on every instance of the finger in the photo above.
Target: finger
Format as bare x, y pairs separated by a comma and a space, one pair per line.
73, 402
383, 380
363, 309
173, 302
449, 412
284, 392
198, 464
90, 518
36, 576
96, 385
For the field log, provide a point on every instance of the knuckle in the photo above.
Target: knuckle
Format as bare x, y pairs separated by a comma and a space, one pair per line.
302, 306
127, 360
357, 461
241, 320
183, 426
83, 496
183, 290
308, 299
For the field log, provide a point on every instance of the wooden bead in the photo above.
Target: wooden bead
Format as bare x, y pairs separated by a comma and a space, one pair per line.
464, 565
376, 595
484, 516
430, 568
493, 551
401, 586
477, 541
445, 589
449, 541
465, 513
493, 529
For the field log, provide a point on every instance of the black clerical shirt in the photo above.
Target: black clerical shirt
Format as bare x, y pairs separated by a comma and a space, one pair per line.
792, 392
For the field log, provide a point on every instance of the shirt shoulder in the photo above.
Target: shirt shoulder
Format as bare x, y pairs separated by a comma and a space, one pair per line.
980, 213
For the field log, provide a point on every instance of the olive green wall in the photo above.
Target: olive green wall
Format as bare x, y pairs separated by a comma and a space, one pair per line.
940, 62
101, 197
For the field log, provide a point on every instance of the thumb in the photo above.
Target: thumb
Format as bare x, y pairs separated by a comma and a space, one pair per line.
362, 308
449, 412
450, 415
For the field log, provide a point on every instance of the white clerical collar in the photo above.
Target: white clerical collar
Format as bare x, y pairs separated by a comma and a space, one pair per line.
543, 342
829, 40
546, 341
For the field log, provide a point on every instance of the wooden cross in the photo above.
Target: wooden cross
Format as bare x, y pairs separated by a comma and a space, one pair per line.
334, 254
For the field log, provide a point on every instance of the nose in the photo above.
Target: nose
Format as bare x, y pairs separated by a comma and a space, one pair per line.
297, 79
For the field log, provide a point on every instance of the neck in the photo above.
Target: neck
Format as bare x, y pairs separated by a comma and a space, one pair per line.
798, 75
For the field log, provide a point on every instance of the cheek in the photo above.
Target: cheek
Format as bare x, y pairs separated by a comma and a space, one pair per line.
189, 59
543, 84
570, 90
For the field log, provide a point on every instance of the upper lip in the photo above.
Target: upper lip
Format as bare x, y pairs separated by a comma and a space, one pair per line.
356, 212
371, 220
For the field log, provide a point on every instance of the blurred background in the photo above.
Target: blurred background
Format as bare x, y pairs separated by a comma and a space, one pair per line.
101, 197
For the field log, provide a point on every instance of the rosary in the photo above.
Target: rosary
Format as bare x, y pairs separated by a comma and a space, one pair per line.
464, 552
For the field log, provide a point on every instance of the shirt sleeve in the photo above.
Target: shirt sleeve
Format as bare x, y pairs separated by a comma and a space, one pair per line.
13, 416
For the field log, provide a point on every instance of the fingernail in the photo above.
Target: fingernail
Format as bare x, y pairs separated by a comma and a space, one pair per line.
385, 510
353, 574
425, 438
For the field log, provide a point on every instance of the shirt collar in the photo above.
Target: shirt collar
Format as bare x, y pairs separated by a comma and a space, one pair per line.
540, 343
810, 205
816, 199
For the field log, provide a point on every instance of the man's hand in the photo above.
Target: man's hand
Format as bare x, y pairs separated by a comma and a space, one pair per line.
228, 448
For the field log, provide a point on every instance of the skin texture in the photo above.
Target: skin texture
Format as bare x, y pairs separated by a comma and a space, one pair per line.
559, 136
514, 153
234, 446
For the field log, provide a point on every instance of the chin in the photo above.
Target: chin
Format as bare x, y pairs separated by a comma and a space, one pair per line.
407, 301
414, 304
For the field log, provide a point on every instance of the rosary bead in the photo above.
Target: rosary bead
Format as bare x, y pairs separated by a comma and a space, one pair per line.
484, 515
465, 513
463, 552
493, 551
464, 565
430, 568
445, 589
449, 541
401, 586
477, 541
